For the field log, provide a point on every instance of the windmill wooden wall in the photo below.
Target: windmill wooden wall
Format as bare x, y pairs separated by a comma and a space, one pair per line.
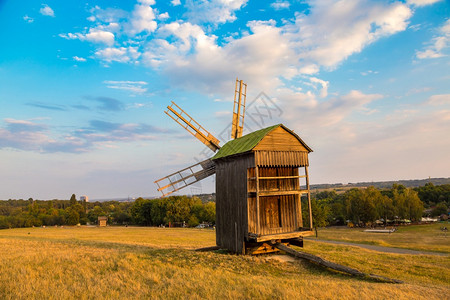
258, 191
231, 201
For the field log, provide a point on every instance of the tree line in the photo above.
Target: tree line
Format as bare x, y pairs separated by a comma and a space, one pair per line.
363, 207
147, 212
358, 206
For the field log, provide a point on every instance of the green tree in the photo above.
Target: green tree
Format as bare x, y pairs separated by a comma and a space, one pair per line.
439, 209
178, 208
141, 211
73, 218
353, 205
320, 213
209, 213
73, 200
384, 207
158, 212
95, 213
407, 203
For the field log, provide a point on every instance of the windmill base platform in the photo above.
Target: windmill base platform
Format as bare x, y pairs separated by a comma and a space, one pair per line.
255, 247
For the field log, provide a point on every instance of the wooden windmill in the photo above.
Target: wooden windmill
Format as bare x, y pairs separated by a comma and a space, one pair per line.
199, 171
258, 188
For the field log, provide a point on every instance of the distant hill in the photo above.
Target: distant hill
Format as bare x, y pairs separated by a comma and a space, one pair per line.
384, 184
337, 186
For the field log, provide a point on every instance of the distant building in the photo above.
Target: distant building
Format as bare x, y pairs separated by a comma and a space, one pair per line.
102, 221
84, 198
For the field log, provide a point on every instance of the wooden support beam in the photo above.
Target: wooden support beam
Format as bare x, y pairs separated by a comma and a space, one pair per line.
334, 266
281, 177
282, 193
258, 224
309, 199
212, 248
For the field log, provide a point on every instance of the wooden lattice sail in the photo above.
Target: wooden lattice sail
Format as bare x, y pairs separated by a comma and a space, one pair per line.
185, 177
240, 95
192, 126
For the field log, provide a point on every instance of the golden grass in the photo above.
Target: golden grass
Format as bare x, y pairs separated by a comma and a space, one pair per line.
415, 237
150, 263
144, 236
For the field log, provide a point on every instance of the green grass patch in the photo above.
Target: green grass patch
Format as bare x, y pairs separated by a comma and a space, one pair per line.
415, 237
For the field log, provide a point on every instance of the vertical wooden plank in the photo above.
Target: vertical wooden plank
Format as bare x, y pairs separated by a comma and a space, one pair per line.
309, 198
258, 226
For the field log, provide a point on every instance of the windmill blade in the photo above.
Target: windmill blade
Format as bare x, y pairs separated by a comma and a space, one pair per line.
240, 95
194, 128
190, 175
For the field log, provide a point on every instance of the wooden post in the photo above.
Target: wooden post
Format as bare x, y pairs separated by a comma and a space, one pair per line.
309, 199
334, 266
258, 230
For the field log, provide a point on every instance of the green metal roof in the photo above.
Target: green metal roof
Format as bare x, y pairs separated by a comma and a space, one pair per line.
245, 143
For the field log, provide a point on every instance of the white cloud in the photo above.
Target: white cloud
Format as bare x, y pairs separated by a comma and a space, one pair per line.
214, 11
422, 2
81, 59
163, 16
28, 19
136, 87
47, 11
94, 36
108, 15
323, 83
22, 134
334, 30
324, 115
196, 55
368, 72
331, 32
175, 2
220, 114
280, 5
31, 136
443, 99
99, 36
438, 44
113, 54
143, 18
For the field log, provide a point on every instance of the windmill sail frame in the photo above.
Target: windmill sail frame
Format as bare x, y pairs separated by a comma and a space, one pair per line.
192, 126
185, 177
240, 95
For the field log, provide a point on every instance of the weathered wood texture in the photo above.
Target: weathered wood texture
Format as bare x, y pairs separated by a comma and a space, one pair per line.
258, 192
231, 202
278, 213
280, 139
328, 264
276, 158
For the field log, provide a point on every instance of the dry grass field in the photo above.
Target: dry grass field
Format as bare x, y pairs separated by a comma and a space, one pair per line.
158, 263
414, 237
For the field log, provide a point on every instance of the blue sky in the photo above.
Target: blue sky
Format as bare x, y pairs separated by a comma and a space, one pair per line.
84, 85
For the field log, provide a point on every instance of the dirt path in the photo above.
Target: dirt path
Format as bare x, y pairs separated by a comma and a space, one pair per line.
382, 249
